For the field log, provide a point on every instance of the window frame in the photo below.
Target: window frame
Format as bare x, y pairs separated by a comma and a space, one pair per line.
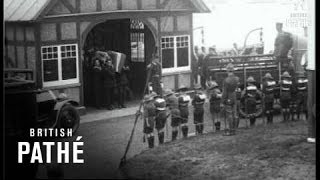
60, 81
175, 67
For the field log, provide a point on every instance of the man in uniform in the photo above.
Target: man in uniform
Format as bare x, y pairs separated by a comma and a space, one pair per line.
122, 83
215, 101
251, 96
173, 104
285, 95
155, 68
230, 85
161, 117
198, 112
184, 100
268, 92
209, 60
149, 114
302, 94
108, 82
283, 43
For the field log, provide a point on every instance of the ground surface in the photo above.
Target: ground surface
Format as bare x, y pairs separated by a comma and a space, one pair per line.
277, 151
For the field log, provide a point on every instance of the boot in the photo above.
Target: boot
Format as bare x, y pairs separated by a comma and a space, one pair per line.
217, 124
161, 137
252, 121
201, 128
185, 131
197, 128
151, 141
174, 135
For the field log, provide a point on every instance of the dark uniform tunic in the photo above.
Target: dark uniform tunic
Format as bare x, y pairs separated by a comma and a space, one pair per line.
302, 93
121, 83
161, 115
156, 77
268, 91
184, 100
250, 98
209, 59
229, 87
198, 102
98, 86
285, 97
173, 104
215, 100
149, 117
109, 82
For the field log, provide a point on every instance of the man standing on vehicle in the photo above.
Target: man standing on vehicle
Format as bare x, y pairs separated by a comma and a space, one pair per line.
209, 60
283, 43
230, 85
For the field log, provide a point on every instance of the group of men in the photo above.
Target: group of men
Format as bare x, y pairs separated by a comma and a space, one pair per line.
224, 104
109, 86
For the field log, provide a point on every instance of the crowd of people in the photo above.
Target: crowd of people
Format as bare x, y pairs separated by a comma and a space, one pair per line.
110, 87
224, 103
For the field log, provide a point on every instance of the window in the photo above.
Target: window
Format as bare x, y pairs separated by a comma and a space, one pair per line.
175, 53
137, 47
60, 64
137, 40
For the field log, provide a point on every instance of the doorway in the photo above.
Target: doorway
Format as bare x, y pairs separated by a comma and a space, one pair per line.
128, 36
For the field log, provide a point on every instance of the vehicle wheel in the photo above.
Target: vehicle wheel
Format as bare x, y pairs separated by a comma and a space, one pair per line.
69, 118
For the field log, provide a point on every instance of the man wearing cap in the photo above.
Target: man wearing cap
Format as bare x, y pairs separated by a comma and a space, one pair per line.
198, 112
250, 96
268, 86
209, 60
215, 101
230, 85
155, 68
173, 104
302, 94
184, 100
285, 95
161, 117
283, 43
149, 114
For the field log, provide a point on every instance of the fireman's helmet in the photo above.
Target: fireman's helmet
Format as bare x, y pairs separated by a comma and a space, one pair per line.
182, 88
212, 84
230, 67
147, 98
286, 74
167, 92
250, 79
197, 87
268, 76
160, 104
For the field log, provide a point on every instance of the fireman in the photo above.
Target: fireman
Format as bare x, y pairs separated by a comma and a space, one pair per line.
198, 103
155, 68
161, 117
215, 95
184, 100
268, 92
228, 100
285, 96
250, 96
302, 94
149, 114
173, 104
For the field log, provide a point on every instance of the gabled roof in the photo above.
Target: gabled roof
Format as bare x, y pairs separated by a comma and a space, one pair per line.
23, 10
200, 6
29, 10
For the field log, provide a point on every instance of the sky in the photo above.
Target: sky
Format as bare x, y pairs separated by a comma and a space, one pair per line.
231, 20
